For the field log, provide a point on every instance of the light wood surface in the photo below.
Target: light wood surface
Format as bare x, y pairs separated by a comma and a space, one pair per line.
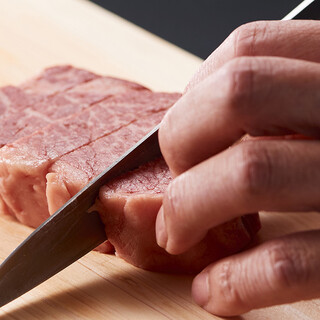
35, 34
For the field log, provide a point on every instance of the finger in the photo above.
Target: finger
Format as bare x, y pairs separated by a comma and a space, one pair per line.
259, 96
280, 271
291, 39
252, 176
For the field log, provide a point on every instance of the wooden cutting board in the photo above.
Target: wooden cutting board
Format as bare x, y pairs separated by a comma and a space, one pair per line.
35, 34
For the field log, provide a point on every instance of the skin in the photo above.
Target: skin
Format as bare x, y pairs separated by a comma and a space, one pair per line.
263, 81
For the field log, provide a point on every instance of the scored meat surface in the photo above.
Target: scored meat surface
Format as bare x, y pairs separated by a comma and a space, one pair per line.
87, 124
22, 122
51, 81
25, 163
73, 171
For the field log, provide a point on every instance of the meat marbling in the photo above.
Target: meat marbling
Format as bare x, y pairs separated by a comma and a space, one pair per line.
40, 172
17, 123
128, 207
51, 81
25, 163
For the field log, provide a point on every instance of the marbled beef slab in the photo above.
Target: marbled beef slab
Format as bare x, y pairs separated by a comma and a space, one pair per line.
25, 163
41, 171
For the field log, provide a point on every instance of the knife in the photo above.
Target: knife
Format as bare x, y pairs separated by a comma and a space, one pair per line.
74, 229
70, 232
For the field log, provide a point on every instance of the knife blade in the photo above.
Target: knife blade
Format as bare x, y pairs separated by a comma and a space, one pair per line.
69, 233
74, 230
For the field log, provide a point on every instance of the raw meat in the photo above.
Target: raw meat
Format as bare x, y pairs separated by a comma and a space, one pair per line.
79, 139
128, 207
49, 82
25, 163
17, 123
56, 79
13, 97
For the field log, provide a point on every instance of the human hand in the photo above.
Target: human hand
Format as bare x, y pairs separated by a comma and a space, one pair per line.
263, 81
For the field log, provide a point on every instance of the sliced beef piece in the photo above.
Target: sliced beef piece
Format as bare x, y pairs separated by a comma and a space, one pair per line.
19, 123
25, 163
40, 172
49, 82
128, 207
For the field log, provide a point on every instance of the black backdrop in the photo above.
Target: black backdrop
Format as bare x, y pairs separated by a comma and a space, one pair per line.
198, 26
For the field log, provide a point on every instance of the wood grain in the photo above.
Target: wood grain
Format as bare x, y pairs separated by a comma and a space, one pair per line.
35, 34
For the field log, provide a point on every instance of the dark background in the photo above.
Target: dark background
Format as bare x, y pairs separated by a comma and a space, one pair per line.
198, 26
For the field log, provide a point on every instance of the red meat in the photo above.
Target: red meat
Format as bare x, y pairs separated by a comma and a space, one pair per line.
49, 82
80, 126
24, 164
19, 122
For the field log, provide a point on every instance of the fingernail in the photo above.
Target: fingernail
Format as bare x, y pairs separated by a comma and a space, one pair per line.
200, 289
161, 230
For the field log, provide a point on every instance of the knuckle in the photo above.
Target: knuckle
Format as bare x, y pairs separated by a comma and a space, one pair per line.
180, 203
255, 169
173, 200
227, 286
284, 265
174, 136
240, 75
246, 38
179, 222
